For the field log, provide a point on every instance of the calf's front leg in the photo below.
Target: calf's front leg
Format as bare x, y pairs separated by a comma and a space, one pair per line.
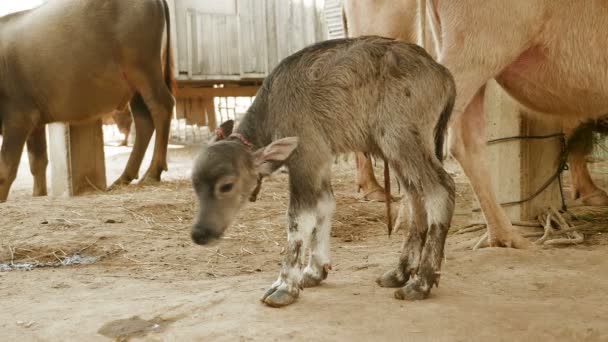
286, 289
319, 263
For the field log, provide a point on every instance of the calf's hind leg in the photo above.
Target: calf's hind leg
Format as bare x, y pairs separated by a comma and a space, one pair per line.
429, 198
438, 198
412, 207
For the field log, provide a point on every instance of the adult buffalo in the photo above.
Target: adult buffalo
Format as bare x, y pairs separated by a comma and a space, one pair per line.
74, 61
537, 51
123, 120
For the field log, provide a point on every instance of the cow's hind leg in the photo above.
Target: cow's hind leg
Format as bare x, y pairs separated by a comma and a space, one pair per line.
38, 158
149, 82
14, 137
580, 146
144, 128
307, 196
438, 197
160, 102
366, 180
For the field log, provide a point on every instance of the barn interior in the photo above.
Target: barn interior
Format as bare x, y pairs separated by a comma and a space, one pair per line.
85, 263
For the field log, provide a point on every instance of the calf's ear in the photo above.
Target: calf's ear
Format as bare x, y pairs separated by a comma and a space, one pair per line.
223, 131
268, 159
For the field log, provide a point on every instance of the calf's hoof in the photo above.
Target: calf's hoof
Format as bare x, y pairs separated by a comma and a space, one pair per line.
392, 279
312, 278
413, 290
277, 297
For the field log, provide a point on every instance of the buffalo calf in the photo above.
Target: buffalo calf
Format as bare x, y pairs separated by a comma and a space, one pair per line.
372, 94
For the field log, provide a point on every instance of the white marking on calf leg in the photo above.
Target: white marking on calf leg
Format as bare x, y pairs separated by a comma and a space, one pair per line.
320, 261
439, 205
299, 232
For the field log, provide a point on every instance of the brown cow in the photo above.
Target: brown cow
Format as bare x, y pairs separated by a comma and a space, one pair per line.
534, 49
123, 120
73, 61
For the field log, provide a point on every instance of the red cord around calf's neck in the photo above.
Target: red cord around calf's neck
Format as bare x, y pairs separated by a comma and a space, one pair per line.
242, 139
219, 132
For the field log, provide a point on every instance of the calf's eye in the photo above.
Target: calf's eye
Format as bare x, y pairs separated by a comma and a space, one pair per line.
226, 188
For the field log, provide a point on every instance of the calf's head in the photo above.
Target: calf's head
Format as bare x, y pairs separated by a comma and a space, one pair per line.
224, 176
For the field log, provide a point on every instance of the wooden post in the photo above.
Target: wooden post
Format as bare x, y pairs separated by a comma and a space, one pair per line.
209, 106
520, 167
77, 158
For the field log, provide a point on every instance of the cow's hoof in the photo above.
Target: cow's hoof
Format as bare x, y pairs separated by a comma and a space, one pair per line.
392, 279
598, 198
149, 179
277, 297
508, 240
312, 278
413, 290
120, 183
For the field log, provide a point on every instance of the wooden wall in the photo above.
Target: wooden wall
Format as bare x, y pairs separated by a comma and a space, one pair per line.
242, 39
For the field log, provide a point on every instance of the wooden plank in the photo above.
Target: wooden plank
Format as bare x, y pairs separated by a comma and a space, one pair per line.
333, 17
190, 92
77, 158
520, 167
87, 158
58, 159
197, 113
252, 36
271, 36
180, 23
210, 113
180, 109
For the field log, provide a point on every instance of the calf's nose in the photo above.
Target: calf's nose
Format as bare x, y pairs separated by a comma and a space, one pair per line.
202, 236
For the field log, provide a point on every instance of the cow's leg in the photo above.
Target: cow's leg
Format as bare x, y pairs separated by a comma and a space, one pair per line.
468, 146
13, 140
467, 136
38, 158
412, 208
308, 198
150, 84
583, 187
144, 128
366, 179
438, 197
159, 100
319, 262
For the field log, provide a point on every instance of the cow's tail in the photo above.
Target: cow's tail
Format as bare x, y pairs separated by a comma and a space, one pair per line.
169, 70
444, 120
344, 22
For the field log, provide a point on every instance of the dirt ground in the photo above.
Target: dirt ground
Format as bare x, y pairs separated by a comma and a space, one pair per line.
151, 283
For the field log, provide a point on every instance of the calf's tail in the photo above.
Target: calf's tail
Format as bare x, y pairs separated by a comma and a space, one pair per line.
442, 125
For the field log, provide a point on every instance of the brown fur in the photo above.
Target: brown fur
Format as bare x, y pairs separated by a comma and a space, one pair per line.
91, 58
